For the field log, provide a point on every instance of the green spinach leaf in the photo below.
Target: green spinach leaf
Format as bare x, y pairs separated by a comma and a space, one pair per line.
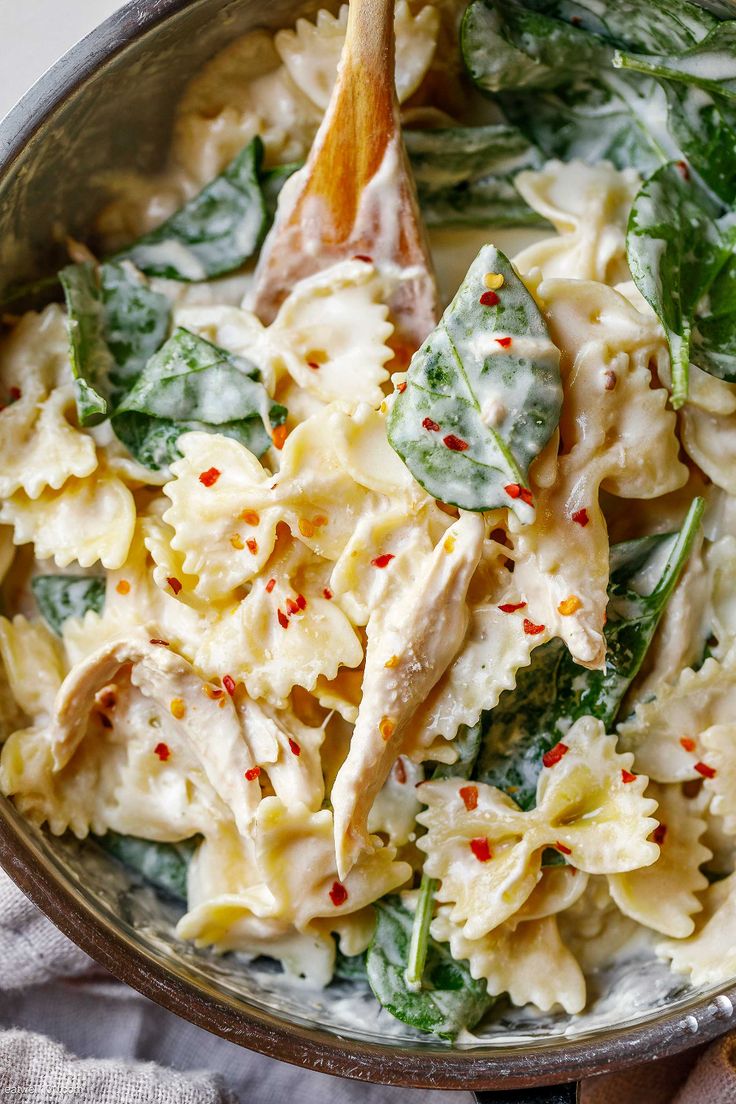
640, 25
216, 231
164, 865
675, 250
191, 384
483, 393
713, 346
452, 1001
115, 323
711, 64
61, 596
553, 692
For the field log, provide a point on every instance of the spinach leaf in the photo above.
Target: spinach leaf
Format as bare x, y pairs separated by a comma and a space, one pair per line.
115, 323
483, 393
553, 692
704, 128
714, 332
454, 999
675, 250
711, 64
61, 596
350, 967
192, 384
640, 25
464, 175
164, 865
215, 232
272, 181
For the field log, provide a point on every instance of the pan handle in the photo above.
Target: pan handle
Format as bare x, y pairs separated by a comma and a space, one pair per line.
541, 1094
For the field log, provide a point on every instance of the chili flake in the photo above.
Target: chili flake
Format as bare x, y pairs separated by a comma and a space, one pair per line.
327, 593
283, 619
306, 528
313, 365
569, 605
553, 756
363, 257
209, 478
659, 833
301, 601
252, 546
469, 795
580, 517
455, 444
270, 585
161, 643
515, 490
237, 542
384, 560
251, 517
294, 747
687, 743
627, 776
319, 521
504, 342
493, 280
163, 751
279, 435
174, 584
387, 728
705, 770
15, 393
531, 629
229, 683
489, 299
512, 607
291, 607
252, 773
178, 708
123, 587
338, 893
683, 169
430, 425
481, 849
401, 388
563, 848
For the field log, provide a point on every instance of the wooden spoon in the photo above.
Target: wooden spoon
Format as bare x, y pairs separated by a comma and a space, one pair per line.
355, 196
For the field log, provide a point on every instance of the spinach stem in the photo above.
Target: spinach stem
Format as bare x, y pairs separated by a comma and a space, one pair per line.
420, 933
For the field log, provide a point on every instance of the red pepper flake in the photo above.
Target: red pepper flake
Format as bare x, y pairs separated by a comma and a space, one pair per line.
363, 257
430, 425
683, 169
515, 490
163, 751
251, 517
301, 601
313, 365
212, 692
531, 629
174, 584
455, 444
512, 607
563, 848
15, 393
627, 776
400, 771
489, 299
469, 795
283, 619
580, 517
481, 849
504, 342
105, 720
229, 683
270, 585
209, 478
252, 546
659, 833
553, 756
384, 560
338, 894
401, 388
705, 770
123, 586
279, 435
291, 607
252, 773
161, 643
294, 746
327, 593
688, 743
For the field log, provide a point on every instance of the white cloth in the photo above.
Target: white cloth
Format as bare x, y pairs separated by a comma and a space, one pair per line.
112, 1046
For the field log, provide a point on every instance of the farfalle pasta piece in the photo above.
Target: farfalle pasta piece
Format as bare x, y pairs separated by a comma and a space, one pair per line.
615, 433
312, 51
285, 633
410, 644
34, 665
396, 805
708, 956
287, 750
589, 206
664, 733
86, 520
663, 896
719, 745
594, 928
488, 858
324, 351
